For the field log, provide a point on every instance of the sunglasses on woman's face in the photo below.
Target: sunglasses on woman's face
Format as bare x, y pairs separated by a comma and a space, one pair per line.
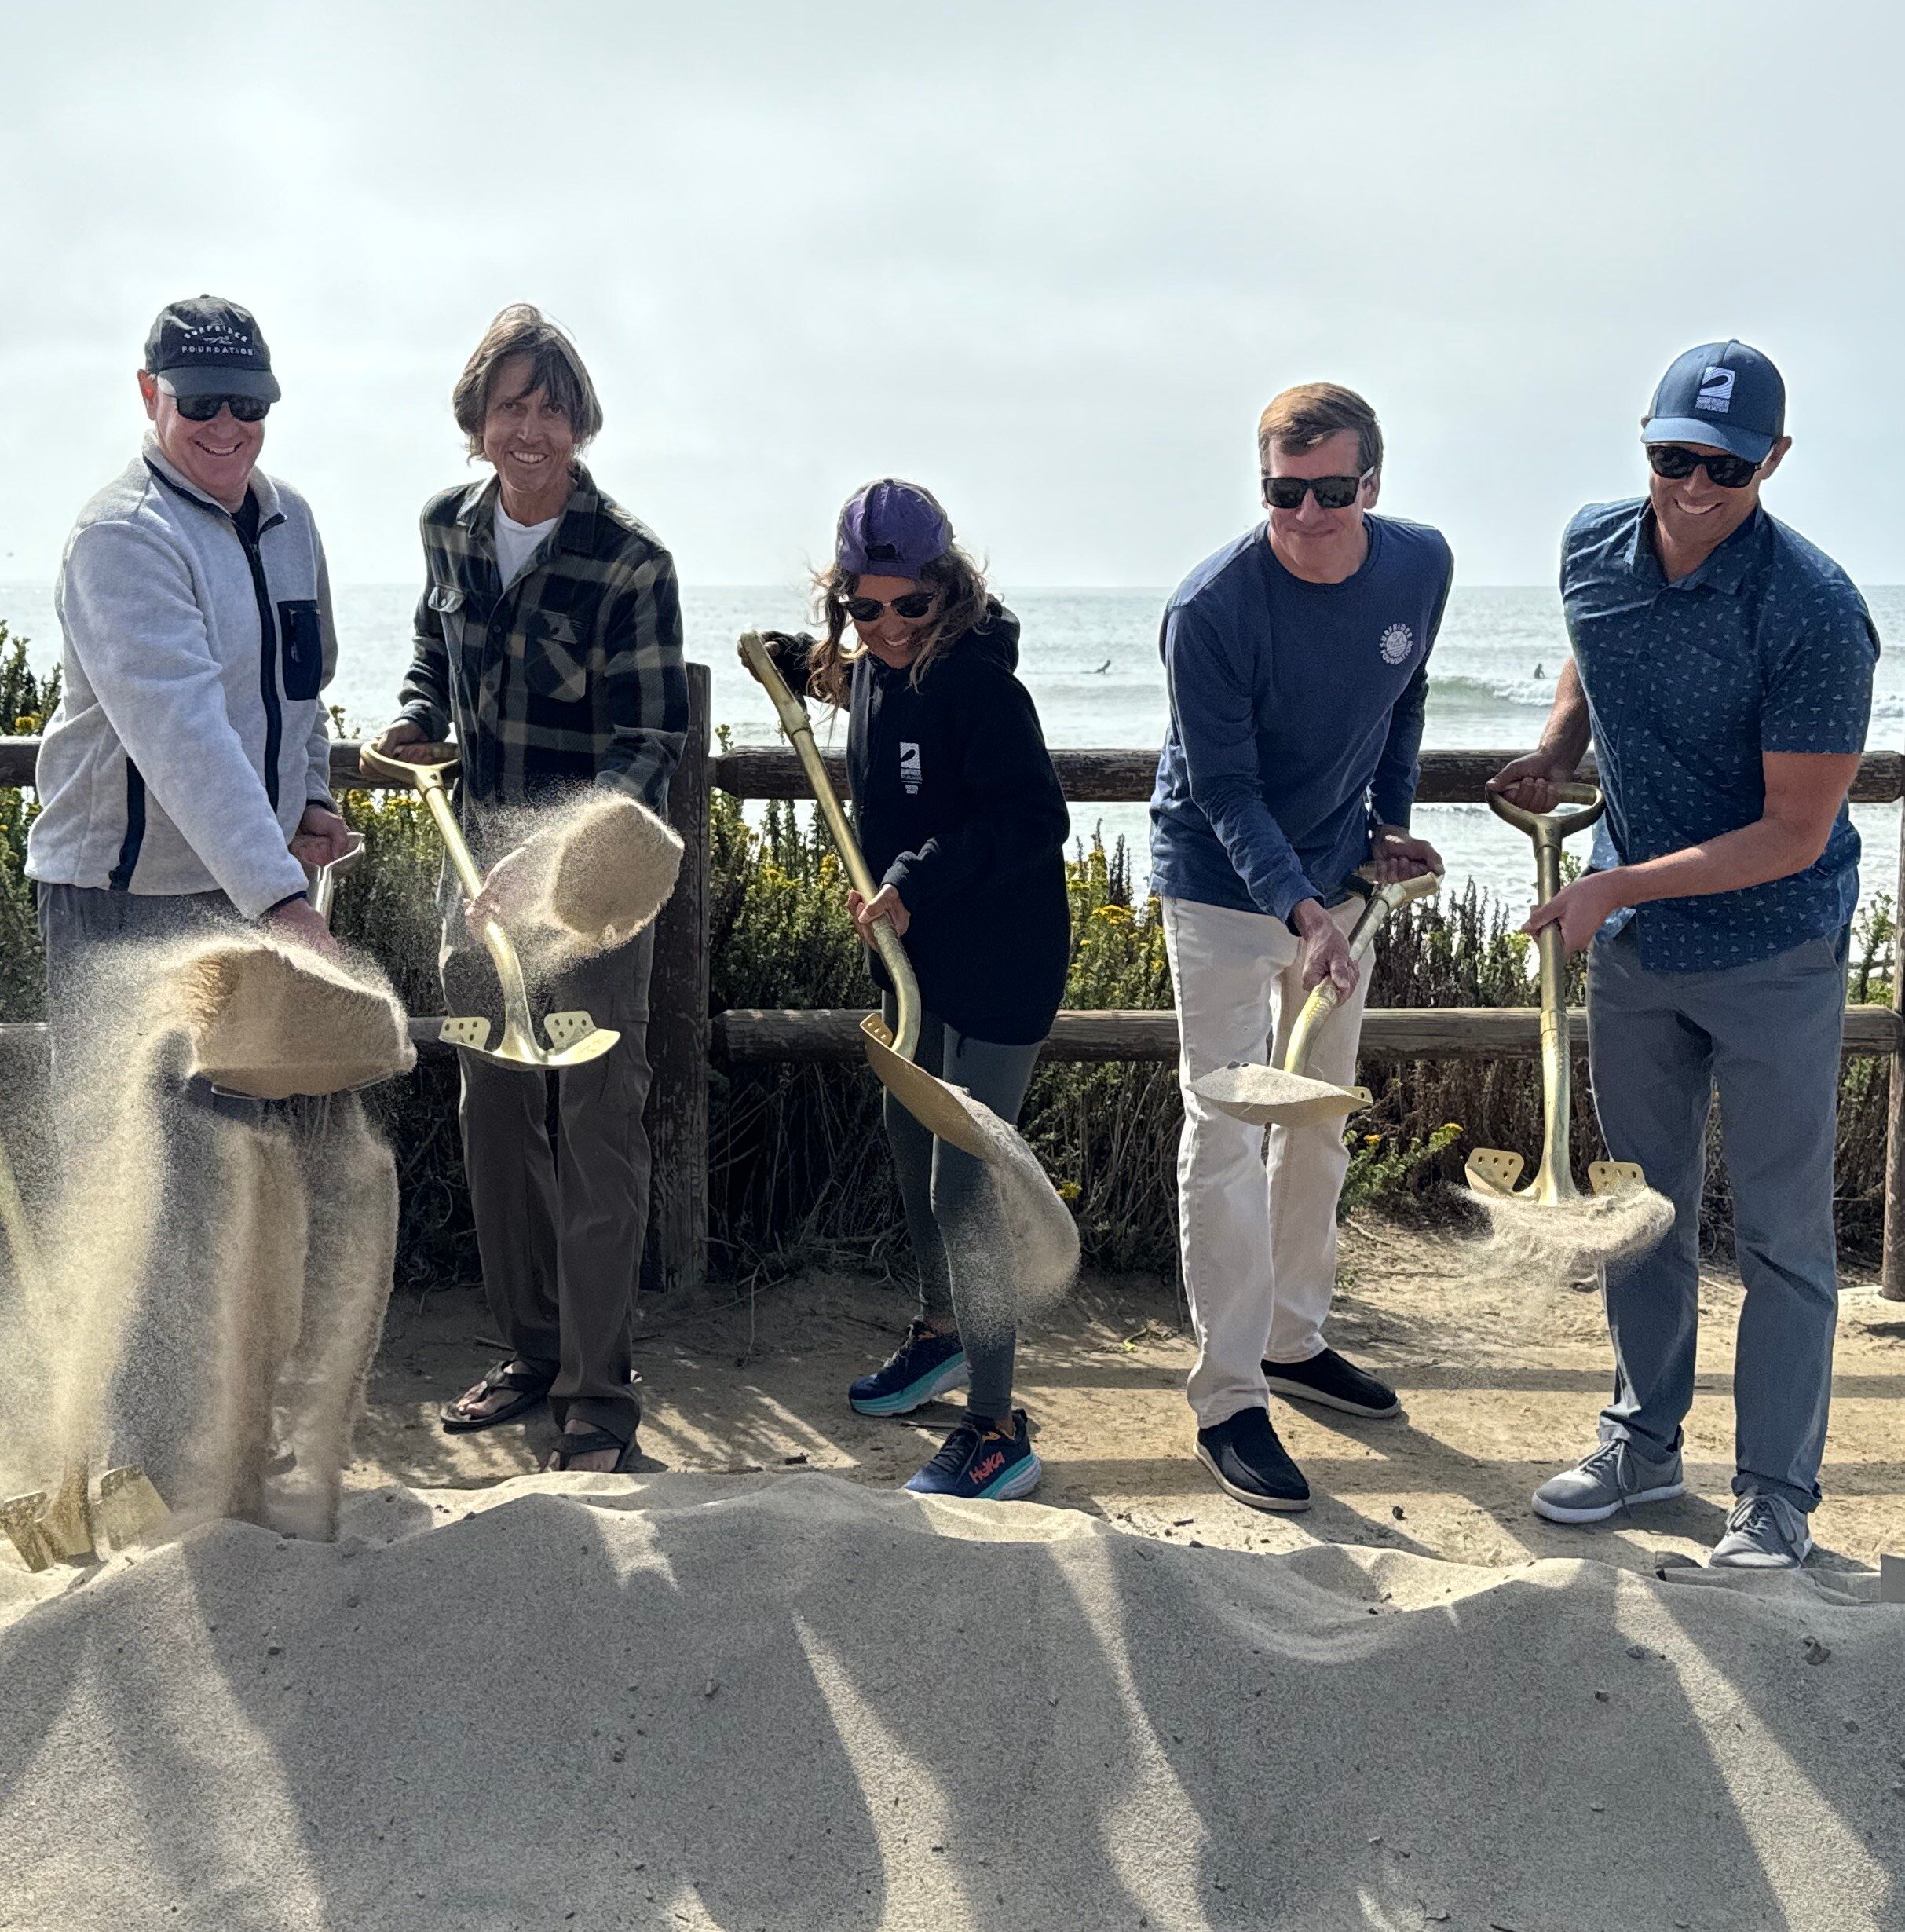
202, 408
1673, 461
914, 605
1332, 493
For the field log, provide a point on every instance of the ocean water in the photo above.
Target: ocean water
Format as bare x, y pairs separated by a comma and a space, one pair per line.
1090, 660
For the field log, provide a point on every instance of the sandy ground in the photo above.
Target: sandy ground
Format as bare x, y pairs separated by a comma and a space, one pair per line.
1499, 1391
753, 1689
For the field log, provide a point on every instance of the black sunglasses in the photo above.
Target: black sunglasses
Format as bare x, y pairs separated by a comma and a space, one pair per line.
1332, 493
202, 408
867, 609
1673, 462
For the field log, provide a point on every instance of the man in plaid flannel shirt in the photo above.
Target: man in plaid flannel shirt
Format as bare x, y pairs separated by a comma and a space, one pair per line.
550, 635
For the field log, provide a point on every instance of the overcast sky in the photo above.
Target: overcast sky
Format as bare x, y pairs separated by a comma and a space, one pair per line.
1049, 259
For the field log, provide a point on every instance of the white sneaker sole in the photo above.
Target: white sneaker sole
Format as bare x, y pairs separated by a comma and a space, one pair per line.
1302, 1391
1280, 1506
1560, 1512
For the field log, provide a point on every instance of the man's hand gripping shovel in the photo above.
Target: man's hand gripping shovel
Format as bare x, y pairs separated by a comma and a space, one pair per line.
1284, 1094
940, 1109
1492, 1172
574, 1037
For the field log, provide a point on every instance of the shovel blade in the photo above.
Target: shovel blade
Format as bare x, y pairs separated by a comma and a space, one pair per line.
576, 1038
937, 1107
129, 1507
1268, 1096
68, 1524
1493, 1171
1615, 1176
20, 1516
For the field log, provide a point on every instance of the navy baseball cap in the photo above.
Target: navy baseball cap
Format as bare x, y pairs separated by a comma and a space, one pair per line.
891, 529
207, 346
1723, 394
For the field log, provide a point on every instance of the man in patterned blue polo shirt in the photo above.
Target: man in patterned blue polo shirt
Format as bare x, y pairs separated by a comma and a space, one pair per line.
1722, 667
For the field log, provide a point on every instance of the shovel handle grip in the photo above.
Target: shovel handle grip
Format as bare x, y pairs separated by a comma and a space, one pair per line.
759, 660
1322, 1001
324, 887
1555, 825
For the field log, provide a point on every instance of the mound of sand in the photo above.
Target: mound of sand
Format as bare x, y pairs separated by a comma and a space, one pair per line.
273, 1020
614, 1702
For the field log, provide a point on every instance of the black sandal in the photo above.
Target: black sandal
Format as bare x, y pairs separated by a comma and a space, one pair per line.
587, 1442
504, 1375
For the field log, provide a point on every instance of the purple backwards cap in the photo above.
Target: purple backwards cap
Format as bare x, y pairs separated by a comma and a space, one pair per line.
891, 529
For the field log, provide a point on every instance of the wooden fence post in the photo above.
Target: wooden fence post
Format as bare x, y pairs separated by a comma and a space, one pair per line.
676, 1253
1891, 1265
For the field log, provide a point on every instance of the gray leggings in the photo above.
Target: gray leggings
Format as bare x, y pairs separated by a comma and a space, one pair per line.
949, 1217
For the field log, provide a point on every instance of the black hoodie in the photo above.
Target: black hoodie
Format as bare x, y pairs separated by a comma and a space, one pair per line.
958, 810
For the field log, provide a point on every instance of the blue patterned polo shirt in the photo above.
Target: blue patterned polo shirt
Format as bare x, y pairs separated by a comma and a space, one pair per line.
1767, 646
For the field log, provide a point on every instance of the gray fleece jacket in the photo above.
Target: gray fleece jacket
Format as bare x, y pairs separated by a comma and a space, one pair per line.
190, 734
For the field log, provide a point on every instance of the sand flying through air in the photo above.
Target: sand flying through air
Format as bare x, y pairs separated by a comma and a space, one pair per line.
214, 1284
1552, 1246
588, 876
1016, 1247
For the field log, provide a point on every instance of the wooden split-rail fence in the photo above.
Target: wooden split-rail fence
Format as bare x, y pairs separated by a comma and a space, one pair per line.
684, 1038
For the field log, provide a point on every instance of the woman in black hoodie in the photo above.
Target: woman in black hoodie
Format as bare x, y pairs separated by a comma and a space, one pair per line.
963, 822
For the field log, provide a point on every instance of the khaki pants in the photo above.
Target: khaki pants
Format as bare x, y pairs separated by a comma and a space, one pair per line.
561, 1219
1257, 1243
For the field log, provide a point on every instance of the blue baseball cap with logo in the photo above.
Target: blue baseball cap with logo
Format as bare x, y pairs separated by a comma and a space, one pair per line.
891, 529
1723, 394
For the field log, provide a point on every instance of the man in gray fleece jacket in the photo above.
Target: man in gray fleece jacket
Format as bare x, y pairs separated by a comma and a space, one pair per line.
185, 774
184, 778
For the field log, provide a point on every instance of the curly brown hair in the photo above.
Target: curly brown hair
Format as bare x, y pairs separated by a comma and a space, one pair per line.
963, 601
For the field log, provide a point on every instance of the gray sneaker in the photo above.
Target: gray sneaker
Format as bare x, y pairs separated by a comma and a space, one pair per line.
1606, 1481
1764, 1533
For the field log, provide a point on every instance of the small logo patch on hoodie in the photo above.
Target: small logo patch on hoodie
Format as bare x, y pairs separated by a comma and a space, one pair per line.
909, 768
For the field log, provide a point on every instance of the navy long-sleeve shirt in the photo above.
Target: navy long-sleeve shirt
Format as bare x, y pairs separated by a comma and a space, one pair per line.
1296, 718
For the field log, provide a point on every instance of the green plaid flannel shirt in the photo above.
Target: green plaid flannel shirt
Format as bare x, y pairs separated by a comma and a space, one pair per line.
570, 677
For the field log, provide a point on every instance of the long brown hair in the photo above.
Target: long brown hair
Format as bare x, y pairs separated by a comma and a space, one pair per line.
963, 601
555, 366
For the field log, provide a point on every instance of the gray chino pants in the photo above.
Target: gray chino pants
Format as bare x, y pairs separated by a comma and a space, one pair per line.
560, 1221
1766, 1036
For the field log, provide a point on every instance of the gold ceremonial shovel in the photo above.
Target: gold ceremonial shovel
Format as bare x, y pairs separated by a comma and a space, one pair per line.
939, 1108
574, 1037
40, 1531
1492, 1172
1284, 1094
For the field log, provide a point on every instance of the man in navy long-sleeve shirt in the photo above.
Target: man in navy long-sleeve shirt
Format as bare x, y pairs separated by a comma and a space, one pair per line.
1296, 659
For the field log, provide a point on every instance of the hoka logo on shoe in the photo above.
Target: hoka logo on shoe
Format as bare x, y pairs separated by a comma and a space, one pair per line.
987, 1467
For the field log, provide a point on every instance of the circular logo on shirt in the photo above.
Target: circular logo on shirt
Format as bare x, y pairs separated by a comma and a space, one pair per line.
1396, 643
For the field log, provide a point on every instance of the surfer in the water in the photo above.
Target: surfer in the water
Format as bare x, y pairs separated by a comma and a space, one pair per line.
963, 822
